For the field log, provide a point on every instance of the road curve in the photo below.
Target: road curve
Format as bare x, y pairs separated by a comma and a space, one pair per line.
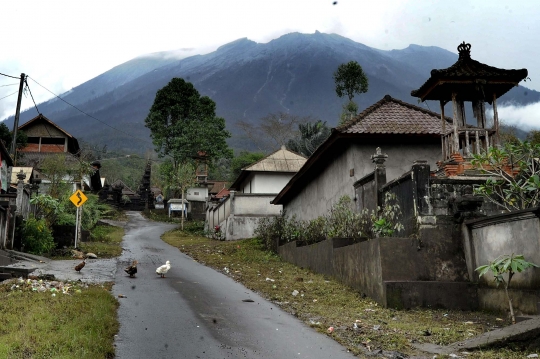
197, 312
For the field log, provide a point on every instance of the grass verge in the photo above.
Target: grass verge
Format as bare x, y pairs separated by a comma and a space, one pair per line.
358, 323
78, 324
105, 243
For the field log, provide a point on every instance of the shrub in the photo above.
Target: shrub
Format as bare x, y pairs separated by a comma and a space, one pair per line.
36, 236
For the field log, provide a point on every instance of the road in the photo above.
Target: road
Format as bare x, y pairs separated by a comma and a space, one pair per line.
197, 312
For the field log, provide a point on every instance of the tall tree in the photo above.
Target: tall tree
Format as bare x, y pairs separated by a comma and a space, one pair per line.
350, 79
311, 135
183, 124
273, 130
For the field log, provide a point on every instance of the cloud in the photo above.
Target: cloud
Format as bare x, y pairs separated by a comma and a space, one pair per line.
525, 117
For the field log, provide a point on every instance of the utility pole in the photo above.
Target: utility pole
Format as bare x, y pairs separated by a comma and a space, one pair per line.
16, 123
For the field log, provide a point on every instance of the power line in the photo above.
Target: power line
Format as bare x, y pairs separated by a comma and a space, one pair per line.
28, 87
9, 95
8, 85
78, 109
13, 77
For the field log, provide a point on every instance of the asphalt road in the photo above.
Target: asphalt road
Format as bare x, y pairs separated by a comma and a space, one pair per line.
197, 312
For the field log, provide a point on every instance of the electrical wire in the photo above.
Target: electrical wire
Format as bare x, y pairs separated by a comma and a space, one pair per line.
30, 91
78, 109
9, 95
8, 85
13, 77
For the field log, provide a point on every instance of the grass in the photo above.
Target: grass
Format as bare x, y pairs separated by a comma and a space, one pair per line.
323, 303
105, 243
80, 324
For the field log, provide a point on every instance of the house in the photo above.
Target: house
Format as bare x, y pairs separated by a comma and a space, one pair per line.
10, 202
405, 133
45, 138
251, 193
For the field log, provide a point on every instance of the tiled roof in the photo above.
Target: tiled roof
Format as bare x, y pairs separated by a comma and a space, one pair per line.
470, 73
282, 160
217, 186
392, 116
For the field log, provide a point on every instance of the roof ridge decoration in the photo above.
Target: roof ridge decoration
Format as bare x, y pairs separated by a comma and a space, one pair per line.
471, 79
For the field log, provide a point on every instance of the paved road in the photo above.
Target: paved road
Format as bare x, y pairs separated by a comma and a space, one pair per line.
197, 312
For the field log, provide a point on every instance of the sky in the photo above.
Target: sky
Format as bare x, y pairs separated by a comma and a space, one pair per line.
63, 43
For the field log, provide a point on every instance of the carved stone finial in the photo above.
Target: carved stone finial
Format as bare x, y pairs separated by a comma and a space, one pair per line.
464, 50
21, 176
379, 158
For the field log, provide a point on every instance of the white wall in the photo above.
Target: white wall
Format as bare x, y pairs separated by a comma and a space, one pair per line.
266, 182
197, 194
326, 187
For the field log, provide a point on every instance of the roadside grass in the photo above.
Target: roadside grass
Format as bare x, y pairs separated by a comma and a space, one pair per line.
323, 302
105, 243
81, 324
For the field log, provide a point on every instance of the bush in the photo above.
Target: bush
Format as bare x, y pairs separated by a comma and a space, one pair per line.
341, 222
37, 237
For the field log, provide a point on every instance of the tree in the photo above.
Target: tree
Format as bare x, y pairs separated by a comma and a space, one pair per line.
507, 264
243, 159
184, 124
311, 135
515, 171
176, 179
6, 136
533, 137
273, 131
350, 79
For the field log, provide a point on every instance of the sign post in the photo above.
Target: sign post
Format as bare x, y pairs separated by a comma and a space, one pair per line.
78, 198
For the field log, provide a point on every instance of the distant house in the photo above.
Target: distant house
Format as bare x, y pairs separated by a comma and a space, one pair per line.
45, 138
404, 132
249, 199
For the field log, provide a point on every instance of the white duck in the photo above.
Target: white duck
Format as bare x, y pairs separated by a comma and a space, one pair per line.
163, 269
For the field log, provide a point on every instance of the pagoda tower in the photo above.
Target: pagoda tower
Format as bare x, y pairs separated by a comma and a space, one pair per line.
468, 81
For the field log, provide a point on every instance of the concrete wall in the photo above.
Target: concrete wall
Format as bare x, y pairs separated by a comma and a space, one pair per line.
511, 233
197, 194
396, 272
265, 182
239, 214
334, 180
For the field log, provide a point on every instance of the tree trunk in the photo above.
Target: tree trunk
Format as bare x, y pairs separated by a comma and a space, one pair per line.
510, 275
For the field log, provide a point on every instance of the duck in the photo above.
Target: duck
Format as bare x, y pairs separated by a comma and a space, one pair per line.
80, 266
132, 269
163, 269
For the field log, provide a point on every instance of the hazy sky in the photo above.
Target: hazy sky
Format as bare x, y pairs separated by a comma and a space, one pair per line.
62, 44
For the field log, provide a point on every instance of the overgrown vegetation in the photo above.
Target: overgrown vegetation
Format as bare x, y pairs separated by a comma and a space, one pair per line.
37, 236
515, 170
341, 222
359, 324
79, 321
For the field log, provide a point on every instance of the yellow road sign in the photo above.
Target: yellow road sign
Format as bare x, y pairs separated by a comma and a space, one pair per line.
78, 198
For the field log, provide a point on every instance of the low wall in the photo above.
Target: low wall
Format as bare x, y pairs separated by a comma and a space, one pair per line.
396, 272
487, 238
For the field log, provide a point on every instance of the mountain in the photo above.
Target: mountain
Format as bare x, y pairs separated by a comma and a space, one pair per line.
248, 81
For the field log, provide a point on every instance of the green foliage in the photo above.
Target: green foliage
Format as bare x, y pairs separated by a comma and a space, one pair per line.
92, 211
50, 209
36, 236
126, 168
512, 192
509, 265
183, 124
243, 159
311, 135
7, 137
341, 222
349, 111
534, 137
350, 79
175, 180
59, 173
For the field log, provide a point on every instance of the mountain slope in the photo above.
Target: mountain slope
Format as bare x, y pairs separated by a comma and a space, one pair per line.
248, 81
